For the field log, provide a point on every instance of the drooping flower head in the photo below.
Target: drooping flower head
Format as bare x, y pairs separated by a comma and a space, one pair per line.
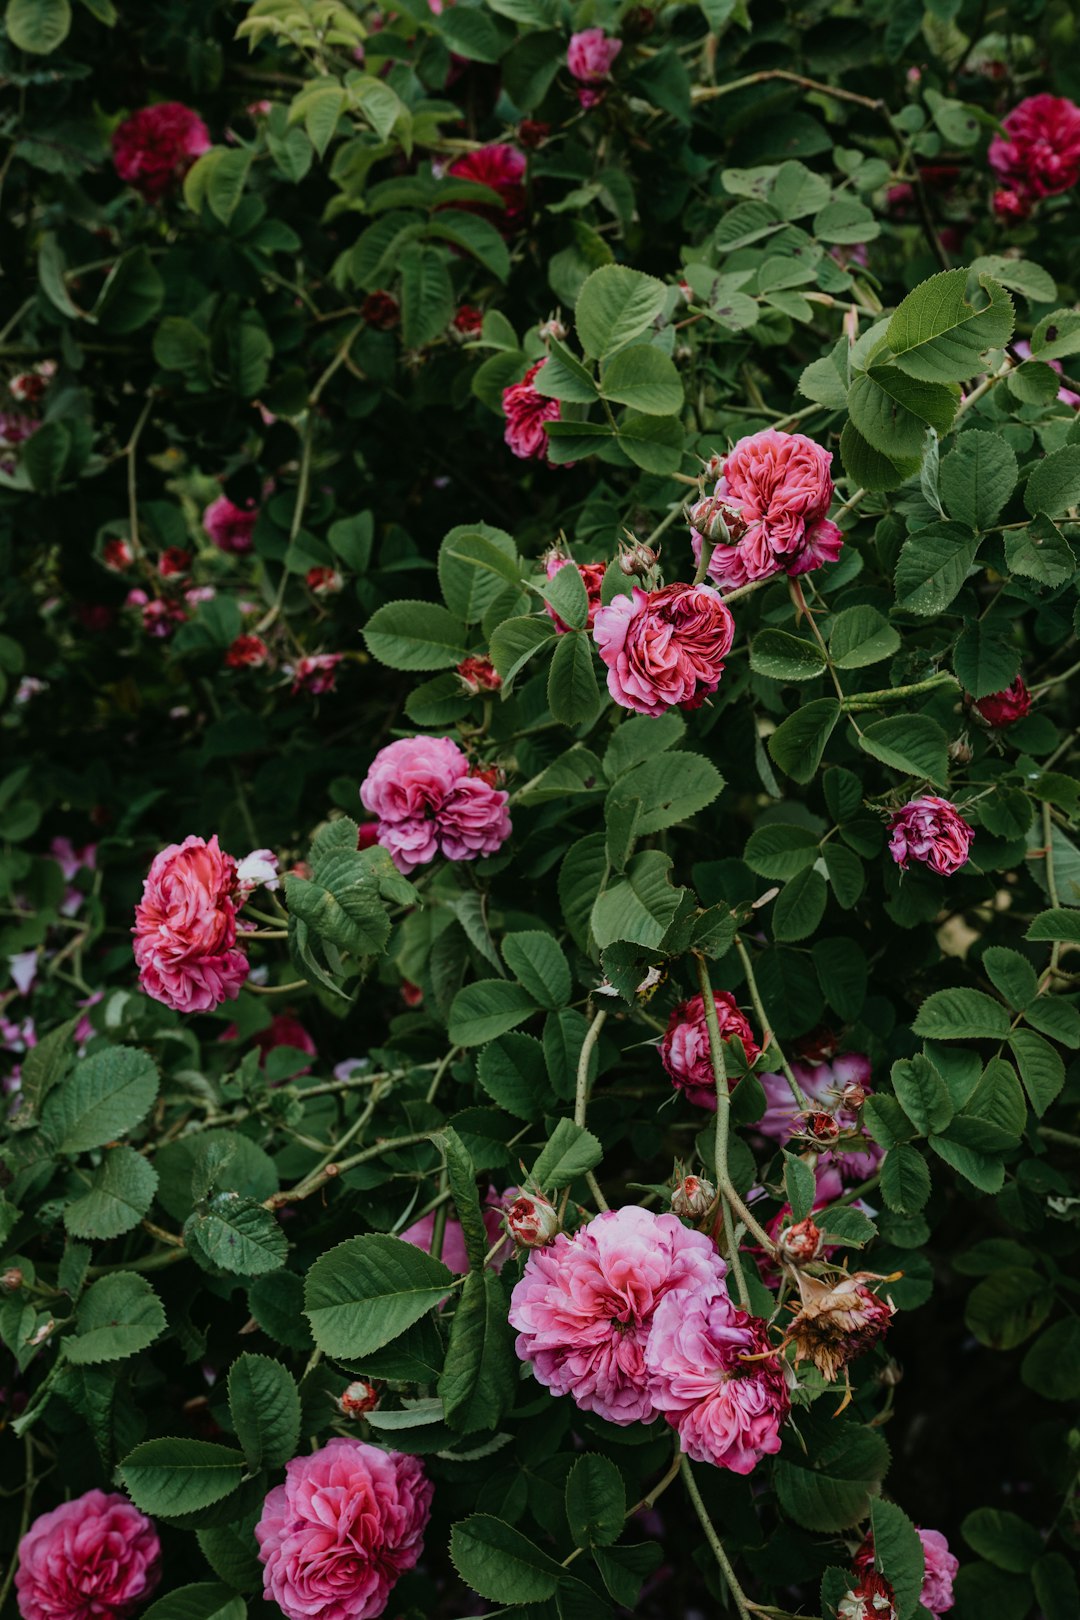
1039, 155
502, 168
664, 649
230, 526
769, 511
185, 928
838, 1320
527, 415
727, 1410
1003, 709
94, 1558
592, 577
590, 55
584, 1307
347, 1523
426, 802
154, 148
684, 1047
932, 831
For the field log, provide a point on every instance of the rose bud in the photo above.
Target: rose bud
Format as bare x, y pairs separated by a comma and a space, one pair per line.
324, 581
381, 311
411, 994
172, 561
1005, 708
636, 560
553, 328
715, 519
532, 132
11, 1279
468, 321
531, 1221
961, 752
247, 652
838, 1321
692, 1197
853, 1096
821, 1128
478, 675
117, 555
801, 1242
360, 1397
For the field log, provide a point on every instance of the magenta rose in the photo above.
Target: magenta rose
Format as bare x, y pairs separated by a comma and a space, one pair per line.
772, 498
664, 649
584, 1306
94, 1558
932, 831
1002, 709
727, 1410
153, 148
941, 1567
316, 673
1039, 155
185, 928
684, 1047
502, 168
591, 54
592, 577
347, 1523
230, 526
425, 802
527, 415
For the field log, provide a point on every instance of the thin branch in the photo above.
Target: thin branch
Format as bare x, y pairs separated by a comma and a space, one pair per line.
714, 1542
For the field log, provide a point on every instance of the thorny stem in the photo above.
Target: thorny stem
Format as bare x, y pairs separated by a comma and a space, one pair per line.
897, 694
440, 1070
711, 92
715, 1543
768, 1035
311, 1184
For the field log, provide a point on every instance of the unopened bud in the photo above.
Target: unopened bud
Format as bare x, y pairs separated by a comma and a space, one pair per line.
691, 1197
553, 328
11, 1279
853, 1097
359, 1398
637, 560
961, 752
716, 519
891, 1374
821, 1128
325, 581
532, 1221
801, 1243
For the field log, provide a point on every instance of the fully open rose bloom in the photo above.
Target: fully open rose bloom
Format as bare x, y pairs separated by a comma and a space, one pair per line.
932, 831
527, 415
591, 54
684, 1047
728, 1411
664, 649
584, 1307
592, 577
153, 148
1039, 155
1006, 708
230, 526
772, 497
502, 168
425, 801
95, 1558
347, 1523
185, 928
940, 1570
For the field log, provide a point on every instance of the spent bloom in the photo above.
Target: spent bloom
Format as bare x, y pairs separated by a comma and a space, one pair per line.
769, 510
932, 831
527, 415
185, 928
426, 803
584, 1306
347, 1523
727, 1410
684, 1046
838, 1320
590, 55
230, 526
155, 146
94, 1558
1039, 154
664, 649
592, 577
1002, 709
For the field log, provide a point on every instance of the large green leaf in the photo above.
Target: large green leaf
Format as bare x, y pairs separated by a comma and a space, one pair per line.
38, 26
104, 1097
644, 378
942, 329
415, 635
264, 1404
479, 1378
486, 1009
977, 478
615, 306
118, 1316
932, 567
501, 1564
640, 906
120, 1191
363, 1293
176, 1476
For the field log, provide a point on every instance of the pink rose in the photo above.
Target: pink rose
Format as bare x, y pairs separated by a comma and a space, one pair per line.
941, 1570
425, 801
454, 1253
527, 415
932, 831
185, 928
664, 649
592, 575
230, 526
502, 168
591, 54
1002, 709
347, 1523
773, 498
584, 1306
315, 674
726, 1410
684, 1048
153, 148
1040, 154
94, 1558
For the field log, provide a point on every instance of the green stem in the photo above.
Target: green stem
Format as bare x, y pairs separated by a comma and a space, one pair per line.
714, 1542
311, 1184
1051, 877
276, 989
581, 1095
24, 1521
768, 1036
897, 694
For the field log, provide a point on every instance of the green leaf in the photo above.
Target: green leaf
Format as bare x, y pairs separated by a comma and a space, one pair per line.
830, 1489
941, 330
570, 1151
203, 1600
1054, 485
1007, 1307
427, 295
780, 850
176, 1476
799, 742
976, 479
872, 468
478, 566
800, 1186
653, 443
905, 1179
479, 1379
415, 636
983, 1172
343, 906
232, 1553
538, 961
38, 26
981, 1590
486, 1009
800, 906
922, 1094
1052, 1365
363, 1293
595, 1501
640, 906
567, 595
644, 378
237, 1235
118, 1316
1003, 1539
840, 965
226, 180
1041, 1069
581, 876
105, 1096
1055, 925
1011, 974
615, 306
513, 1073
958, 1015
46, 1064
476, 235
641, 737
264, 1404
1056, 1589
120, 1192
932, 566
783, 657
911, 743
1040, 552
564, 377
515, 641
861, 636
984, 660
898, 1555
892, 411
669, 789
133, 294
572, 691
499, 1563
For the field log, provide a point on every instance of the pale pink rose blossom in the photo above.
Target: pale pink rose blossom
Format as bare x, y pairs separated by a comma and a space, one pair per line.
347, 1523
773, 497
527, 415
185, 928
932, 831
684, 1047
230, 526
590, 55
664, 649
584, 1306
726, 1410
94, 1558
941, 1570
425, 801
259, 869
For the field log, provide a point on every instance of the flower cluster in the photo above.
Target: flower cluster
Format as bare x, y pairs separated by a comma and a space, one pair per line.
426, 802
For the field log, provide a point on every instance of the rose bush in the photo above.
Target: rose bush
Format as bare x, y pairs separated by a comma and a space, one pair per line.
538, 823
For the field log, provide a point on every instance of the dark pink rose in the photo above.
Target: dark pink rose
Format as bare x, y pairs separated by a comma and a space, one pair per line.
230, 526
527, 415
941, 1567
1039, 156
591, 54
932, 831
1006, 708
185, 928
153, 148
773, 498
94, 1558
316, 673
684, 1049
664, 649
592, 575
502, 168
